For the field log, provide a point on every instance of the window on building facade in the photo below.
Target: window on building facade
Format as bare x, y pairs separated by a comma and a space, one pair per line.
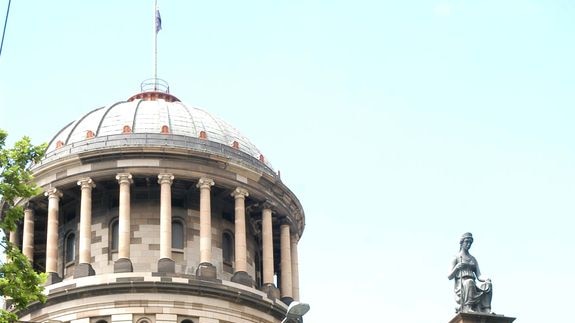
258, 265
177, 234
70, 248
114, 235
228, 247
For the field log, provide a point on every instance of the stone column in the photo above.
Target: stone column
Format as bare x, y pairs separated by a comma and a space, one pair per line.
54, 196
294, 267
268, 253
286, 272
84, 267
205, 269
241, 265
14, 237
124, 264
28, 238
165, 263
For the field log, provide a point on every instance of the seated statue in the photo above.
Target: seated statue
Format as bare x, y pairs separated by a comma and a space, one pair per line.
472, 292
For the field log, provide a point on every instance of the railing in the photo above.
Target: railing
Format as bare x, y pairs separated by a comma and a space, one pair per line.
155, 85
158, 140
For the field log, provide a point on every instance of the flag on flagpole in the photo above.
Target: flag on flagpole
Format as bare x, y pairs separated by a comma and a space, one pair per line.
158, 21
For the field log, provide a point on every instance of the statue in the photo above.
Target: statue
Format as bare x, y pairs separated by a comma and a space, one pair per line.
472, 292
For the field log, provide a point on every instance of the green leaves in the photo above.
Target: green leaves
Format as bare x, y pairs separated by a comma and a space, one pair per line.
18, 280
15, 174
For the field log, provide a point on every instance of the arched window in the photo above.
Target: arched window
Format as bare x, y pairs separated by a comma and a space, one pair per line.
177, 235
228, 247
70, 248
114, 235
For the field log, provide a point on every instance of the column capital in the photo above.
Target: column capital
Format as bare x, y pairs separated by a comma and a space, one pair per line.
295, 236
53, 193
86, 182
269, 205
205, 182
30, 205
124, 178
165, 178
240, 192
285, 221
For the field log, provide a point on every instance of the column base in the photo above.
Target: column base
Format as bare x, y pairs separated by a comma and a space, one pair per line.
83, 270
206, 271
52, 278
472, 317
123, 265
242, 277
166, 265
272, 291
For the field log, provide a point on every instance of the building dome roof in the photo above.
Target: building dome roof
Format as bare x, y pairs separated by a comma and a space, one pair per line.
150, 115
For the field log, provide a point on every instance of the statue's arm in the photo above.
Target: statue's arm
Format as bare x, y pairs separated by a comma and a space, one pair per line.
478, 274
455, 266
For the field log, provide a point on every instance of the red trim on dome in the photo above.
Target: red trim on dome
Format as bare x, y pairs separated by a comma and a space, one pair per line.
153, 96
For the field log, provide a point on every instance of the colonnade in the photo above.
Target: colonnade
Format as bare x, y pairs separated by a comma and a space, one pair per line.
289, 279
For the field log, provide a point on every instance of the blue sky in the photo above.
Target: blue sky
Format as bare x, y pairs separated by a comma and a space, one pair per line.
399, 125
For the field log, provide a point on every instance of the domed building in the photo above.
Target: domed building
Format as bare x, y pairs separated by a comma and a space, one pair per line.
156, 212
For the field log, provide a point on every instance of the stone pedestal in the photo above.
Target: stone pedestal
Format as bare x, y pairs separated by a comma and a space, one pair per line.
52, 278
83, 270
206, 271
123, 265
287, 300
242, 277
481, 318
166, 265
271, 290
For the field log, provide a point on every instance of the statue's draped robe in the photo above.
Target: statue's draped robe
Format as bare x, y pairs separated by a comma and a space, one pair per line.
469, 294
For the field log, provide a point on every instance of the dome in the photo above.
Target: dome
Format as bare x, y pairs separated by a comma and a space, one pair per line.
150, 210
148, 118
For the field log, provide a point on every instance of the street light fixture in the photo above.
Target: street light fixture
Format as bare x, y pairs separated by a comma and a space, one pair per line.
295, 312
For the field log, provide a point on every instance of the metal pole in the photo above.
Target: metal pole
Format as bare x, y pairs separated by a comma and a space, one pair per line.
5, 22
155, 45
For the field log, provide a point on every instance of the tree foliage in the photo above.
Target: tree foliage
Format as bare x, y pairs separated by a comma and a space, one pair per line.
18, 280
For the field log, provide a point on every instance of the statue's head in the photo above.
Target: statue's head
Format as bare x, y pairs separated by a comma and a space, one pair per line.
466, 237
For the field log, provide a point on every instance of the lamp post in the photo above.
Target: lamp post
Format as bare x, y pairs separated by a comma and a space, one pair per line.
295, 312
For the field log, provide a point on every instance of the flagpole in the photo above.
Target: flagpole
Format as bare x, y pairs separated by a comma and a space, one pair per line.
155, 45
